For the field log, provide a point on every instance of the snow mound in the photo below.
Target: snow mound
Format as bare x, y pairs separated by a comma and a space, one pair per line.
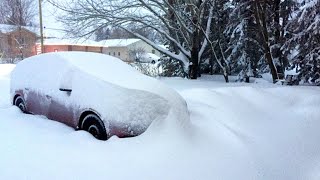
239, 131
5, 69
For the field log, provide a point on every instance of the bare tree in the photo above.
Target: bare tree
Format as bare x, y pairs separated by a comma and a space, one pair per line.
3, 47
17, 12
183, 24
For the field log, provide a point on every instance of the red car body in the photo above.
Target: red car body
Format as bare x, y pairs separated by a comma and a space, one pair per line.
68, 87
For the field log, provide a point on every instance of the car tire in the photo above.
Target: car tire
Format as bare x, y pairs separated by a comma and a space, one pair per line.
19, 102
94, 125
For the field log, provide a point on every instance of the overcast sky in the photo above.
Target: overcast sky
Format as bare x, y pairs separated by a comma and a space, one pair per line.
49, 15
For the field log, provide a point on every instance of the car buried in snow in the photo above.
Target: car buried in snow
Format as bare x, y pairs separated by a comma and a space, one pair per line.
92, 92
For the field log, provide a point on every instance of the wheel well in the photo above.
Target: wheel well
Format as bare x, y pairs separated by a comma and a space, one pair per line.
90, 112
15, 97
83, 115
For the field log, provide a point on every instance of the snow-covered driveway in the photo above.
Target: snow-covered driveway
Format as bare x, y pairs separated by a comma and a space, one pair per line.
237, 131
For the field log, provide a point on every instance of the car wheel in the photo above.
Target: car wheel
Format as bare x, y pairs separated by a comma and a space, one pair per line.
19, 102
93, 124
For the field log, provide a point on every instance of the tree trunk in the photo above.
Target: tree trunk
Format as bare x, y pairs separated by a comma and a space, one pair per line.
226, 78
211, 66
172, 22
247, 79
277, 36
193, 72
272, 67
195, 48
260, 16
276, 19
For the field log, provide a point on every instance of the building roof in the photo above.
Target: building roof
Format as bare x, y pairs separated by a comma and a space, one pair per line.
118, 42
6, 28
47, 32
71, 41
88, 42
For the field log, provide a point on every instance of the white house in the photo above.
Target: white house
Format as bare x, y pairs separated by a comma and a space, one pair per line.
121, 48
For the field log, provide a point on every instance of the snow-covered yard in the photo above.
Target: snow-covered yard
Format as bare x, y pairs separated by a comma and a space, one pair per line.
237, 131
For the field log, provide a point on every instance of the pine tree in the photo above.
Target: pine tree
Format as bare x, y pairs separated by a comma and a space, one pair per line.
245, 50
302, 48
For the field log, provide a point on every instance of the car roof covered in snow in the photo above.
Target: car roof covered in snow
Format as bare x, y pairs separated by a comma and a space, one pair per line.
101, 66
104, 67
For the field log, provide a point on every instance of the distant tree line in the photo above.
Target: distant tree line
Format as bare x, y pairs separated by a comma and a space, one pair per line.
239, 37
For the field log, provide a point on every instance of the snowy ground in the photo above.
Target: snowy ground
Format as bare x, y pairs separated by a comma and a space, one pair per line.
237, 131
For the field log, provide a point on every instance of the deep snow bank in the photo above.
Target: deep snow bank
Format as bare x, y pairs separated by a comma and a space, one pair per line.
5, 70
275, 127
239, 131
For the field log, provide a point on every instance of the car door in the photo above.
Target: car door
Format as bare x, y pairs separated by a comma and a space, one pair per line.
61, 108
37, 102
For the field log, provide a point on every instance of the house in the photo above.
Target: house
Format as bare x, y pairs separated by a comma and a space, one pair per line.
22, 42
71, 44
17, 41
120, 48
125, 49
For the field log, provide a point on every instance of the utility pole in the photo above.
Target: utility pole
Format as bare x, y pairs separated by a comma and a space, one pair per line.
41, 26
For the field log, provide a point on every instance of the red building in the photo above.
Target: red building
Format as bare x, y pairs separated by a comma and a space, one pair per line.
57, 45
17, 41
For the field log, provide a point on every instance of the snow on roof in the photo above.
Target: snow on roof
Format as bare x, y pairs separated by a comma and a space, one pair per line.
88, 42
118, 42
53, 33
71, 41
6, 28
47, 32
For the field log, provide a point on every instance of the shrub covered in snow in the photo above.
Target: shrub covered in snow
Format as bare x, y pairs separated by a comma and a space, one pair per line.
171, 68
149, 69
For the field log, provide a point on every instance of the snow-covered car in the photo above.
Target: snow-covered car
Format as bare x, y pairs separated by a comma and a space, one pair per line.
149, 58
92, 92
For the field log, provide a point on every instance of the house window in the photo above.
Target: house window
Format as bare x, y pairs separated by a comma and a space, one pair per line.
109, 53
153, 51
55, 50
118, 53
114, 53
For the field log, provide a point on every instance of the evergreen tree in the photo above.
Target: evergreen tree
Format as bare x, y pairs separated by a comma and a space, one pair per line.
244, 50
302, 48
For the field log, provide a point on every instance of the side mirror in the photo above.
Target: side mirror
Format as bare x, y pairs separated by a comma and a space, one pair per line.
66, 90
66, 81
